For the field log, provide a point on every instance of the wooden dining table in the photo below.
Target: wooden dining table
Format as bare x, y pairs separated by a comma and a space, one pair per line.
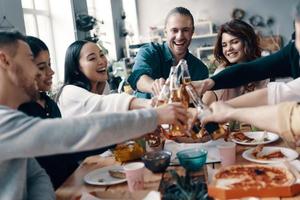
75, 186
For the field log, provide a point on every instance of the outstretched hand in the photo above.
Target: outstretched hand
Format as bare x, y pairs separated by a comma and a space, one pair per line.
173, 113
220, 113
203, 85
157, 86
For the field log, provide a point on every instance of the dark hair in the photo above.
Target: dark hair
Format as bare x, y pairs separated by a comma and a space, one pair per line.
73, 74
243, 31
36, 45
181, 11
9, 40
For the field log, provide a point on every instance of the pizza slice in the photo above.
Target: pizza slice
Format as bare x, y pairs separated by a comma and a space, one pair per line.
258, 153
241, 137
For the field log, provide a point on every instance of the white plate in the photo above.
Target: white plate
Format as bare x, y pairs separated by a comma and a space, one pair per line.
290, 155
102, 174
258, 136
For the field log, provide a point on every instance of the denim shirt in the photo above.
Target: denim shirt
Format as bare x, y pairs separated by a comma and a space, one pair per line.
155, 60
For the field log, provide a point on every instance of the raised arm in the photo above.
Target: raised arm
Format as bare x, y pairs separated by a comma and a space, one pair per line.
33, 137
251, 99
282, 118
278, 64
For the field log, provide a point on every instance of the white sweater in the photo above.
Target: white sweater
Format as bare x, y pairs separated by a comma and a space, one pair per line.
75, 101
22, 137
281, 92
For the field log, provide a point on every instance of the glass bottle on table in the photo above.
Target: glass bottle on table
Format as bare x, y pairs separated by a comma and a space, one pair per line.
215, 130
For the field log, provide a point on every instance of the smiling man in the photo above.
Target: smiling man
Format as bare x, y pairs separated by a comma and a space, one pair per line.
153, 61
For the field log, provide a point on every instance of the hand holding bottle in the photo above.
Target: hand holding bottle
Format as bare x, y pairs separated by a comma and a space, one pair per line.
220, 112
172, 113
157, 86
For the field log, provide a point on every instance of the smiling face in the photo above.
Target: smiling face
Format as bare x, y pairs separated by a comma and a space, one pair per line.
179, 32
233, 48
43, 63
93, 63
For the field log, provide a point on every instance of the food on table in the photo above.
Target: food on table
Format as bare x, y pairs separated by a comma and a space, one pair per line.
117, 173
257, 150
128, 151
258, 154
252, 176
241, 137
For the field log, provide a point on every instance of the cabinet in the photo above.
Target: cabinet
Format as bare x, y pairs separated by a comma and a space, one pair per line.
205, 45
203, 42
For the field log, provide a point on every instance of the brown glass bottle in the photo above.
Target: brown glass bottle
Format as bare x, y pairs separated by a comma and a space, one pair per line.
214, 129
185, 80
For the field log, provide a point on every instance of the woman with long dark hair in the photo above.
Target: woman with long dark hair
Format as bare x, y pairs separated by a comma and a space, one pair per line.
236, 43
85, 87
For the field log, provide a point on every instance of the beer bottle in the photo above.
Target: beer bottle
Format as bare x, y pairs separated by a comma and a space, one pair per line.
164, 94
175, 130
214, 129
185, 80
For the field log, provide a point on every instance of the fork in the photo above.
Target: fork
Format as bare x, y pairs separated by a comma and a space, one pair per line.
265, 136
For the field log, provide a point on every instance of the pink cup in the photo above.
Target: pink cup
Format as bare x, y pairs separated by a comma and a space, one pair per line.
227, 152
135, 175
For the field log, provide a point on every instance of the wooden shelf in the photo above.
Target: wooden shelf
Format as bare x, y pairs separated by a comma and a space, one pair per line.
205, 36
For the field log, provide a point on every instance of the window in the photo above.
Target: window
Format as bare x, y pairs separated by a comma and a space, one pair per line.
51, 21
38, 23
102, 11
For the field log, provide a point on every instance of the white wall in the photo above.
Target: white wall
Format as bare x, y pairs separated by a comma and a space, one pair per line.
153, 12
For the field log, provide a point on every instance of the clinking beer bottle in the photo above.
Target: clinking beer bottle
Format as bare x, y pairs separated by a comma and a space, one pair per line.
185, 80
164, 94
155, 139
214, 129
175, 130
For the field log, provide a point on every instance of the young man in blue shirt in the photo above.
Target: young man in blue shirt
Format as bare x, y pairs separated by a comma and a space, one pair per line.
153, 61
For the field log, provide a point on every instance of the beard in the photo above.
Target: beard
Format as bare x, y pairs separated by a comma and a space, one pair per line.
27, 85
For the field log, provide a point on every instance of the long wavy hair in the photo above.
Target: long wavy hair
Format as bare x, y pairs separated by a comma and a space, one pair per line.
243, 31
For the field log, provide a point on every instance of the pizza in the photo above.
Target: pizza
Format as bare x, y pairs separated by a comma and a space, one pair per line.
257, 153
117, 173
252, 176
241, 137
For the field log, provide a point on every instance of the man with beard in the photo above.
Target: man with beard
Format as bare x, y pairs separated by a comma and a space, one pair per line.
153, 61
23, 137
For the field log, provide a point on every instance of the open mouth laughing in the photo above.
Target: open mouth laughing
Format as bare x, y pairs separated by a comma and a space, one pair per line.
101, 70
